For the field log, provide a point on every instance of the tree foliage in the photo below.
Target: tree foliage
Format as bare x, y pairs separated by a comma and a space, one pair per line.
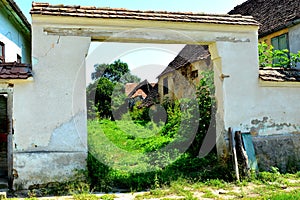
106, 79
270, 57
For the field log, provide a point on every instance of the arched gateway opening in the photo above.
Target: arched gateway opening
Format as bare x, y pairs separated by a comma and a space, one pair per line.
61, 36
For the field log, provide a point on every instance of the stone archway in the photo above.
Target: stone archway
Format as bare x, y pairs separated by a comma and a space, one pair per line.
55, 101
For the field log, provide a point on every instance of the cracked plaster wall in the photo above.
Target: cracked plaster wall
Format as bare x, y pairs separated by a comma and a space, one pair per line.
268, 111
57, 94
49, 113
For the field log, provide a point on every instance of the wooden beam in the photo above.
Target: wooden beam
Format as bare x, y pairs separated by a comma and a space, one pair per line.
233, 149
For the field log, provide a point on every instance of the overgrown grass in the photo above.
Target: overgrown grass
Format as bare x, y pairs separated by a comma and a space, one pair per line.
127, 155
130, 136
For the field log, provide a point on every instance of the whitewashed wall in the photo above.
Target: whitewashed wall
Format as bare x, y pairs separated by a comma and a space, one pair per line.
49, 113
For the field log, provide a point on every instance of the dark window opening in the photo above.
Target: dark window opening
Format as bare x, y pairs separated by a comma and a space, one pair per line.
2, 52
19, 58
184, 72
165, 86
194, 74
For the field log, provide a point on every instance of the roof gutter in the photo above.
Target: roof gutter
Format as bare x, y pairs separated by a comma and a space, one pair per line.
288, 25
294, 22
20, 18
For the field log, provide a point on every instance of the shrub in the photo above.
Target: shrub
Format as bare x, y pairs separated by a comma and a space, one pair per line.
270, 57
140, 115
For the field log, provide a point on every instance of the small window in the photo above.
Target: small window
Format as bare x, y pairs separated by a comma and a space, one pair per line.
2, 52
194, 74
183, 72
165, 86
280, 42
19, 58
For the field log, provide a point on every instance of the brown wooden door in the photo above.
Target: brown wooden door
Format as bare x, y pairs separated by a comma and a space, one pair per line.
3, 137
6, 132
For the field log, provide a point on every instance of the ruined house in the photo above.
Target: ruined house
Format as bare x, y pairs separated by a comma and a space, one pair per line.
137, 92
152, 98
181, 76
141, 90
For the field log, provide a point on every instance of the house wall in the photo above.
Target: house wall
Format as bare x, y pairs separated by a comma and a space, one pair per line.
267, 39
293, 35
181, 85
294, 39
49, 113
12, 35
170, 94
269, 111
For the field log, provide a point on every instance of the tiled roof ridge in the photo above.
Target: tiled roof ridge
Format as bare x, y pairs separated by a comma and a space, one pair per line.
141, 84
15, 64
105, 12
47, 5
189, 53
19, 12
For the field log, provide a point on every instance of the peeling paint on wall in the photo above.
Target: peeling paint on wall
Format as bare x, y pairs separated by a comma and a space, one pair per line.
268, 126
68, 136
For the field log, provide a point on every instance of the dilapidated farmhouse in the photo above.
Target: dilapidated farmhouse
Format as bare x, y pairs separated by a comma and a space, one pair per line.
48, 133
182, 75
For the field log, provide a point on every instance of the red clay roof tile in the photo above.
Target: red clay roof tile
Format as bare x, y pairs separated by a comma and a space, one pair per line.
14, 70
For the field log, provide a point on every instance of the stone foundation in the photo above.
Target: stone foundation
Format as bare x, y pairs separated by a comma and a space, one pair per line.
281, 151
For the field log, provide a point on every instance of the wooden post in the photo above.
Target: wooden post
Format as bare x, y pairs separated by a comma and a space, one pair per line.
242, 153
10, 137
233, 149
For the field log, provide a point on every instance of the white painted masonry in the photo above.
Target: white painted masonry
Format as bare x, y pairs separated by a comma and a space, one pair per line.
50, 112
51, 127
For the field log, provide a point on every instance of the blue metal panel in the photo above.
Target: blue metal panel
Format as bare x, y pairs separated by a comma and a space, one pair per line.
248, 145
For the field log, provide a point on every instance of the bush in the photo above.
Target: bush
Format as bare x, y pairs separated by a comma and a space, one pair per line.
270, 57
140, 115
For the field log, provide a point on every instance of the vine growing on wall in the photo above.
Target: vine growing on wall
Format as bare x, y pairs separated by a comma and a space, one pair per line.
270, 57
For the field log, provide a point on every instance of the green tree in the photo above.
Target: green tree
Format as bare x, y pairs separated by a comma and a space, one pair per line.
106, 79
113, 71
103, 95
